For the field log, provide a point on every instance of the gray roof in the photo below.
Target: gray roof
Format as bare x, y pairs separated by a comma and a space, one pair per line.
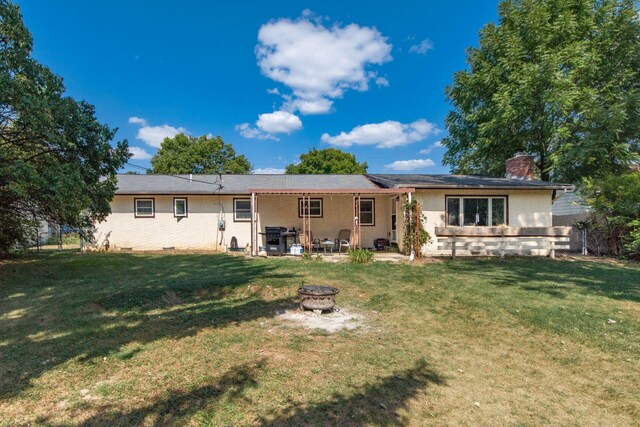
461, 181
236, 184
569, 203
241, 184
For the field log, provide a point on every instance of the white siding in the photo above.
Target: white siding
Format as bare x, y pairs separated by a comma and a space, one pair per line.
527, 208
199, 229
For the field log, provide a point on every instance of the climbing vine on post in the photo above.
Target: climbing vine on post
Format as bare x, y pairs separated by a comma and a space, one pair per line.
415, 236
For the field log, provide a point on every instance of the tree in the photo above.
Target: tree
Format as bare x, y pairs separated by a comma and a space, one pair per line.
205, 154
615, 200
559, 79
327, 161
56, 160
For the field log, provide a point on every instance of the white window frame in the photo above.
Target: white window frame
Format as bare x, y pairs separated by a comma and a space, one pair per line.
137, 214
373, 211
311, 207
489, 207
186, 207
236, 210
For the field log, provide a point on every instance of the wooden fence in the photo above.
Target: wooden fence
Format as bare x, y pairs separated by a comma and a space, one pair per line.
501, 241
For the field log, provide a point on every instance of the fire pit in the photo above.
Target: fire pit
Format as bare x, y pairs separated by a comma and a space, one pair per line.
317, 297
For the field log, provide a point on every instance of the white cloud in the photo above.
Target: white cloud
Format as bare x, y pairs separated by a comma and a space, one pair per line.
279, 122
249, 132
273, 91
422, 48
269, 124
432, 147
139, 153
381, 81
305, 106
319, 63
387, 134
154, 135
137, 121
409, 165
269, 171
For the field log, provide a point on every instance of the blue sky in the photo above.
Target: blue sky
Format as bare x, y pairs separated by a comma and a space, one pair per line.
273, 78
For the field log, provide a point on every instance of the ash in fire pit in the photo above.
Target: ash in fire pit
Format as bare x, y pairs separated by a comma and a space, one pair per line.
317, 297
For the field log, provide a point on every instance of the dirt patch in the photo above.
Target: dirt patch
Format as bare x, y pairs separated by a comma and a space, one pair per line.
330, 322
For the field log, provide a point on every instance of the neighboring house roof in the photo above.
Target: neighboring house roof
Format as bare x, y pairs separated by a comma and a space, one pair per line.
461, 181
237, 184
569, 203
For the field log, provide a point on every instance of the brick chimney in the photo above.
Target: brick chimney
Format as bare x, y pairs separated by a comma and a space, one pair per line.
521, 166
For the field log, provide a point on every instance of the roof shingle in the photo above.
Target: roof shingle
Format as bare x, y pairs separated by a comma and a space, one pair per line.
236, 184
460, 181
241, 184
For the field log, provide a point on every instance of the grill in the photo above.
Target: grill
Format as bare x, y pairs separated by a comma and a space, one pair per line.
317, 297
277, 239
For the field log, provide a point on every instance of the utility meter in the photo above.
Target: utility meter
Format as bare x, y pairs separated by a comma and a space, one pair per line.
221, 224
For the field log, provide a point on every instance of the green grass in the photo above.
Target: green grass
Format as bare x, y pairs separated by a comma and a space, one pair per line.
122, 339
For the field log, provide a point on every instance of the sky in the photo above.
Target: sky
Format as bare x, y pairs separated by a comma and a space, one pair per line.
274, 79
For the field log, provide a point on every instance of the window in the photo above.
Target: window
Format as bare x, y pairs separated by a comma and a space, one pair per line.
144, 208
367, 212
242, 210
476, 211
453, 211
310, 207
179, 208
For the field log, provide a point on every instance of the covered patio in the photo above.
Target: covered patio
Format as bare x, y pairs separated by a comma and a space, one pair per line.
322, 219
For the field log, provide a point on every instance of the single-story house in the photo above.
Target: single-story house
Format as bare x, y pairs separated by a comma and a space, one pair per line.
465, 215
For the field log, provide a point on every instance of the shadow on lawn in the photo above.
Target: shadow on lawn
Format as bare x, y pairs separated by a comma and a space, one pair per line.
379, 403
87, 306
179, 405
556, 278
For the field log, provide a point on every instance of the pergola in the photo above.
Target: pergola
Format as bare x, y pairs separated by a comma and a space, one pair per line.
306, 195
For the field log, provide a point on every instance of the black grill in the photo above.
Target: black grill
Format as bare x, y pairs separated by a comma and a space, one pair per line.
277, 239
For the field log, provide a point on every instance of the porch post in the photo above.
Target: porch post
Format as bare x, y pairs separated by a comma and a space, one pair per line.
358, 224
412, 255
306, 221
254, 232
354, 238
309, 220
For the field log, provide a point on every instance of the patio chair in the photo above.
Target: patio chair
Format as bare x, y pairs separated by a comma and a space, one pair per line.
310, 245
344, 239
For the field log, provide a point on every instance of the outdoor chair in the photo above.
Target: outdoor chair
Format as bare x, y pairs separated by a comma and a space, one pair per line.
344, 239
310, 245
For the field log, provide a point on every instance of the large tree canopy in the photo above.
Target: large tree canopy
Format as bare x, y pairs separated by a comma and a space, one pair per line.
206, 154
56, 160
327, 161
557, 78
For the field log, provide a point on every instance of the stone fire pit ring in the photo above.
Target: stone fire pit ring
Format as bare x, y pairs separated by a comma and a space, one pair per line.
317, 297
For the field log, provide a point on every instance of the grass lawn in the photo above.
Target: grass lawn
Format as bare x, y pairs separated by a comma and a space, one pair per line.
155, 339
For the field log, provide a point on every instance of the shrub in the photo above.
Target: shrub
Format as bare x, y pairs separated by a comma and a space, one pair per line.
632, 241
360, 256
415, 236
615, 200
